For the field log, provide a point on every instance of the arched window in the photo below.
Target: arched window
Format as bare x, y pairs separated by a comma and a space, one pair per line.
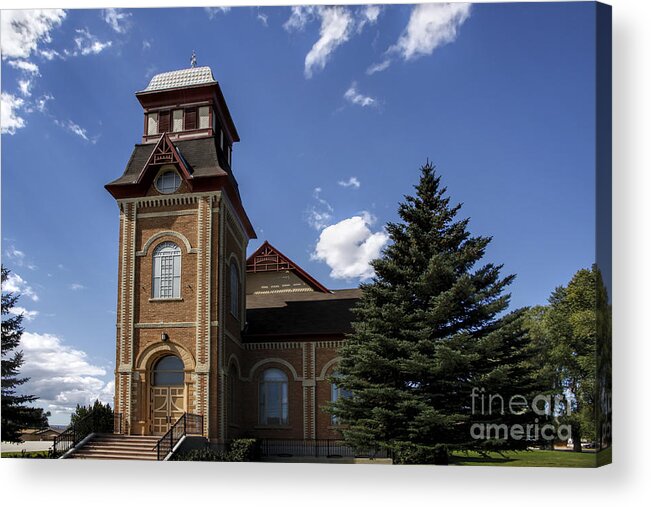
169, 371
273, 397
235, 289
167, 271
337, 392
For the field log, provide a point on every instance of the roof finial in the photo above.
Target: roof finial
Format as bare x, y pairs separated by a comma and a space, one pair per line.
193, 60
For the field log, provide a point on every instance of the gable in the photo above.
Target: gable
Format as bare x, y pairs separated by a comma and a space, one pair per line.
268, 271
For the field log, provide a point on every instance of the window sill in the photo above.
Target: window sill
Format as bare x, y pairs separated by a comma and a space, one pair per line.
272, 427
163, 300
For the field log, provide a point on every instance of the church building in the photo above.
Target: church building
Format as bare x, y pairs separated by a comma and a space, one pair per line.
250, 343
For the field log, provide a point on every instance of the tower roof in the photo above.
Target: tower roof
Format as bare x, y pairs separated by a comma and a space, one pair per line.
193, 76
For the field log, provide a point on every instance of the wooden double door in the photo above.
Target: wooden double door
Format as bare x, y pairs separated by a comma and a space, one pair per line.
167, 405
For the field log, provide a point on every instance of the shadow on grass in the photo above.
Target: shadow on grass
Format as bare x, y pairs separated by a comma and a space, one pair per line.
462, 459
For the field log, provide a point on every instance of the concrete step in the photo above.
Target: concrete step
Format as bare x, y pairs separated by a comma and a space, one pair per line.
127, 450
125, 438
110, 446
113, 456
117, 447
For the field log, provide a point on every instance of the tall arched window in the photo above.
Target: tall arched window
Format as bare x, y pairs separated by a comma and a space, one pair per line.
169, 371
235, 289
167, 271
273, 397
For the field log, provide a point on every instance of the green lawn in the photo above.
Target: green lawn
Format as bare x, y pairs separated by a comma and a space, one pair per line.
534, 459
33, 454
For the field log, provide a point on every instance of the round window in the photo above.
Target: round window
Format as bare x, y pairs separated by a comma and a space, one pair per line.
168, 182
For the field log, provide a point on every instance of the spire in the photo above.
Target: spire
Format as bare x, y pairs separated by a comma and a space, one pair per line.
193, 60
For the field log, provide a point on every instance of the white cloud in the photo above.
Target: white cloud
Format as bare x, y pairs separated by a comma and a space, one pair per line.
214, 11
352, 182
299, 18
117, 19
27, 314
379, 67
319, 215
49, 54
18, 257
61, 375
16, 284
338, 23
41, 103
336, 27
24, 65
13, 253
146, 44
25, 85
21, 31
10, 121
349, 246
368, 16
76, 286
87, 44
75, 129
430, 26
354, 97
263, 18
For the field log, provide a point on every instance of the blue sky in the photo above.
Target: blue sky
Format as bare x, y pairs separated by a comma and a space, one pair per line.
337, 108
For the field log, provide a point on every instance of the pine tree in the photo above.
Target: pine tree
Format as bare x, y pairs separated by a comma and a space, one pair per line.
427, 329
16, 416
100, 420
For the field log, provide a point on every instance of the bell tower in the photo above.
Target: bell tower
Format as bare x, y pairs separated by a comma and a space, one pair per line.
181, 261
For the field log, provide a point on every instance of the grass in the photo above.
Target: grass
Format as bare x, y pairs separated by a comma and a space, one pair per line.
536, 458
20, 454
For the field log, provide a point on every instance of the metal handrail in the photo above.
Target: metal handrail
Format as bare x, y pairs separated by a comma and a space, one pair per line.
76, 432
186, 424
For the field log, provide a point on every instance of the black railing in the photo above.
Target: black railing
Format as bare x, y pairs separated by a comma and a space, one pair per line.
94, 422
187, 424
320, 448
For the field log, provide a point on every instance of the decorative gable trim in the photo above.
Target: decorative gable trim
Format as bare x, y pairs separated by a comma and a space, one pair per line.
268, 259
166, 153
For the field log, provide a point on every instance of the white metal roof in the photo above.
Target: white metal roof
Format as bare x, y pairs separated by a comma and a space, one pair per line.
180, 78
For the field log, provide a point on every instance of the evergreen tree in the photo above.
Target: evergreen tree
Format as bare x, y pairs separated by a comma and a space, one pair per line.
428, 329
16, 416
100, 420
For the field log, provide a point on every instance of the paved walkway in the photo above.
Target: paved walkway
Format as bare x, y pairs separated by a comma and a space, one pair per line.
29, 446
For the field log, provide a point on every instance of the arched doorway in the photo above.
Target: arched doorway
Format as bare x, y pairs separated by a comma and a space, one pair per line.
168, 393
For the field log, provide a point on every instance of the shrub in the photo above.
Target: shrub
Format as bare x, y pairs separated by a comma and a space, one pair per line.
203, 454
412, 454
242, 449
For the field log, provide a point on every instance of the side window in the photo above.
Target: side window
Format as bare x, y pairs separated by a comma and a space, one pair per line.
152, 124
167, 271
177, 120
235, 290
204, 118
273, 398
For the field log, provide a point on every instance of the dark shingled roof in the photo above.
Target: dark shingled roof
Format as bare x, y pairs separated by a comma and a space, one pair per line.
200, 155
299, 314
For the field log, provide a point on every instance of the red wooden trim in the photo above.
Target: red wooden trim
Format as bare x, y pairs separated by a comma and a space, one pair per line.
282, 263
163, 147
